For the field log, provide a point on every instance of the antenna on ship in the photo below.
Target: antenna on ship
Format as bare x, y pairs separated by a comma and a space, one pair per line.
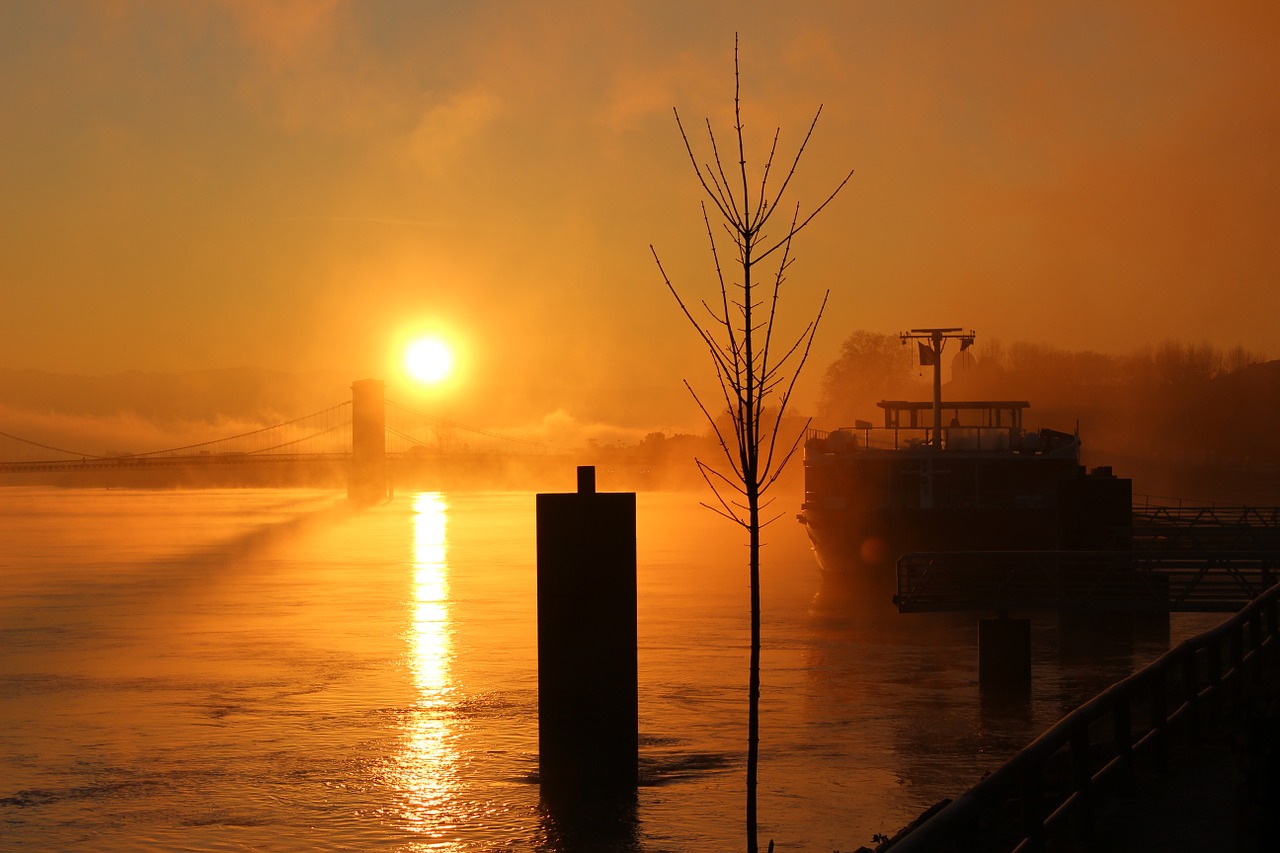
931, 353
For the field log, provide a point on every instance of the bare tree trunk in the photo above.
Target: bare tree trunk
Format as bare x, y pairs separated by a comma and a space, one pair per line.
753, 688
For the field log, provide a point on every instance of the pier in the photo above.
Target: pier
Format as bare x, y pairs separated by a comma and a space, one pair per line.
1181, 755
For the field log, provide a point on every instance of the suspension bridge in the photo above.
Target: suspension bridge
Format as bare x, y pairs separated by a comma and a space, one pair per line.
366, 440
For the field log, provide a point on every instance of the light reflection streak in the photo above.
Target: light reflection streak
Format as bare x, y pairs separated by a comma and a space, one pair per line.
428, 766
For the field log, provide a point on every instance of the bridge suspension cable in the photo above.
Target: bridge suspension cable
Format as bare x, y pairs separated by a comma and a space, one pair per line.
296, 441
329, 413
331, 425
50, 447
437, 421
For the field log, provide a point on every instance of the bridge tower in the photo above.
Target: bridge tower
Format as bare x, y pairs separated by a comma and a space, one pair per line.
367, 477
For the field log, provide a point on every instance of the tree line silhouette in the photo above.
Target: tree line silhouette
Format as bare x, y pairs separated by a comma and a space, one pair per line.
1189, 420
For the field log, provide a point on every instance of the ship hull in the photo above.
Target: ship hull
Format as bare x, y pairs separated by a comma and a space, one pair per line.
867, 543
864, 510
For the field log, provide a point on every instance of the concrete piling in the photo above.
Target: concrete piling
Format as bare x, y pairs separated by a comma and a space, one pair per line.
588, 710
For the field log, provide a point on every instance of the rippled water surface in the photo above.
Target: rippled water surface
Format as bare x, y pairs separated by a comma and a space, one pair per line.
271, 670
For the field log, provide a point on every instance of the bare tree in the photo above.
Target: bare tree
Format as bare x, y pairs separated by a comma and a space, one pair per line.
757, 371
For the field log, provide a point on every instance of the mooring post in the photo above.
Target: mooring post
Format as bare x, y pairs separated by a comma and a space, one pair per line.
1004, 653
588, 708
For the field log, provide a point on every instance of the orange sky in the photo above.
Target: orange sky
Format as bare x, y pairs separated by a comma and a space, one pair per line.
298, 185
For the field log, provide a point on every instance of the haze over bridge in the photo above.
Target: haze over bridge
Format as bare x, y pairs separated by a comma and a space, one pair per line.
359, 438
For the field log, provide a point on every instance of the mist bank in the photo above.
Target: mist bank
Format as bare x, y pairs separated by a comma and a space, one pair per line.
124, 416
619, 468
1184, 420
142, 411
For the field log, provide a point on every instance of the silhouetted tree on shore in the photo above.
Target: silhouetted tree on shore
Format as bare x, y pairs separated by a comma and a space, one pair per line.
756, 371
1188, 420
871, 367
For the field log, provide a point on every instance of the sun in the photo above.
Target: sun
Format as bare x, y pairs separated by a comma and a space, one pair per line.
428, 360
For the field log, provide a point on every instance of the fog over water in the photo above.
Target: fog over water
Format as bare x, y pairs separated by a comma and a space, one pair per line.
228, 669
1184, 419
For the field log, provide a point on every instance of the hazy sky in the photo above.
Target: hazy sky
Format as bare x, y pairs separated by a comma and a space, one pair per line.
301, 185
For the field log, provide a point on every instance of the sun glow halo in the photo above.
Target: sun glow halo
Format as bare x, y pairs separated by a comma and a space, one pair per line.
428, 360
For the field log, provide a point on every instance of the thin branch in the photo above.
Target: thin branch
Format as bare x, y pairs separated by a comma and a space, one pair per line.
808, 218
736, 485
777, 286
723, 197
715, 428
745, 226
782, 465
724, 292
795, 374
765, 522
804, 143
727, 510
688, 147
760, 217
722, 181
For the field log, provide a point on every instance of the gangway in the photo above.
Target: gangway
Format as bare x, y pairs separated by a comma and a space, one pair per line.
1207, 527
1171, 559
1140, 580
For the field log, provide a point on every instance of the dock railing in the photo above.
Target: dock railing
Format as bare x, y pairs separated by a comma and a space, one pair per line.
1053, 787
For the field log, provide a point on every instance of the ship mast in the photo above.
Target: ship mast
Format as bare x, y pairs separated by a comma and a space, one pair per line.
931, 353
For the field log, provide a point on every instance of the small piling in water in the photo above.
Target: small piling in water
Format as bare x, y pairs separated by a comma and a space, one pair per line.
1004, 653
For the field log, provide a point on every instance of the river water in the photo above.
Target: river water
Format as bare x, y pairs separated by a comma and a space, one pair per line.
236, 670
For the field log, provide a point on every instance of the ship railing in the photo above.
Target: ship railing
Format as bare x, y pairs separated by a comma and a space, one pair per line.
957, 438
1129, 735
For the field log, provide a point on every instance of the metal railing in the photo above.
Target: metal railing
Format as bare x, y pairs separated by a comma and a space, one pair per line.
1056, 784
960, 438
1227, 516
1153, 580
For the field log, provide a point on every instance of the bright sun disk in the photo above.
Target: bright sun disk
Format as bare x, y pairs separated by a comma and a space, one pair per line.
428, 360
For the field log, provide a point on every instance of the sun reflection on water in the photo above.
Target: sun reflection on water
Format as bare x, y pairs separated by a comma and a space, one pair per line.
429, 763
